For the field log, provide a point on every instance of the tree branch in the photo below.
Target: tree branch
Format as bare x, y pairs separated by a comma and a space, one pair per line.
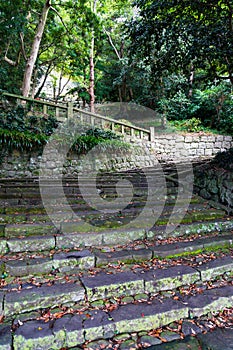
111, 43
57, 13
9, 61
22, 46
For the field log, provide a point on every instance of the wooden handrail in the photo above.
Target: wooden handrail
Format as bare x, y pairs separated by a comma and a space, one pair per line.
34, 100
70, 111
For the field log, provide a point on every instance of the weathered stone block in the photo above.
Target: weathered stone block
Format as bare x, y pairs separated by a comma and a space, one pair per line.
98, 325
34, 335
5, 337
188, 139
208, 152
29, 230
79, 240
213, 301
29, 267
215, 268
82, 259
31, 244
110, 285
147, 316
42, 297
168, 279
73, 329
123, 236
3, 247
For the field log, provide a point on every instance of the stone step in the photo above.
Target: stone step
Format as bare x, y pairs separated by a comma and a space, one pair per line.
99, 283
109, 284
76, 328
105, 222
26, 264
42, 237
24, 209
195, 212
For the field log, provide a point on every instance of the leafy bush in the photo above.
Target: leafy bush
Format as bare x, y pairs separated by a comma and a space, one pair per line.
190, 125
179, 107
84, 141
21, 121
103, 134
27, 131
213, 107
11, 139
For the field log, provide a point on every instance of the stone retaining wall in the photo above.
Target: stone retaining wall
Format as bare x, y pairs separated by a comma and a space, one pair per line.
22, 164
215, 184
174, 146
145, 154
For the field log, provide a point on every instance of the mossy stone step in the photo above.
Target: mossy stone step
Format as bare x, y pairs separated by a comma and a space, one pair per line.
194, 246
74, 260
102, 237
63, 262
186, 230
42, 297
74, 330
127, 283
31, 229
104, 285
81, 205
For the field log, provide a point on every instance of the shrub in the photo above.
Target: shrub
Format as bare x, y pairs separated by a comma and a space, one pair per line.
179, 107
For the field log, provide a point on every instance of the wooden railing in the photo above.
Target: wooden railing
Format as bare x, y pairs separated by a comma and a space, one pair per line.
63, 111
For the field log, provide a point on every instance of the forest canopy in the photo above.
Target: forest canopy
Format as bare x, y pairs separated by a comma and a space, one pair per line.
174, 56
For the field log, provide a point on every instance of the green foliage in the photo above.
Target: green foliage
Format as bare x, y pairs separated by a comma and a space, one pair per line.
84, 142
102, 134
179, 107
13, 139
211, 107
18, 120
190, 125
26, 132
174, 34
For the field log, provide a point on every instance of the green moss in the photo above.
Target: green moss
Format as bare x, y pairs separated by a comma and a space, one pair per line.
214, 248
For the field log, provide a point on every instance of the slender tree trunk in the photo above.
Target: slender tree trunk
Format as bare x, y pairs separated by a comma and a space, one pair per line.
48, 71
92, 80
120, 95
34, 82
92, 66
35, 49
191, 79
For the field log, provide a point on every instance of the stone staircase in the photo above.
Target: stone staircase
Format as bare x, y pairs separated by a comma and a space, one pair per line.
120, 285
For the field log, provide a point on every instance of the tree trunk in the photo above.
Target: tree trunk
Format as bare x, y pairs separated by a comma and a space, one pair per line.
92, 67
48, 71
34, 83
34, 50
191, 79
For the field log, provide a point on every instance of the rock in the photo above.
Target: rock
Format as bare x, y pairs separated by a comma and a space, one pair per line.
128, 345
189, 328
169, 335
147, 340
217, 340
5, 337
190, 343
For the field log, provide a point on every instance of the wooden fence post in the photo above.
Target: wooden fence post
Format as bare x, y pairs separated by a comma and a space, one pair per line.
92, 120
70, 110
152, 133
45, 109
57, 112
